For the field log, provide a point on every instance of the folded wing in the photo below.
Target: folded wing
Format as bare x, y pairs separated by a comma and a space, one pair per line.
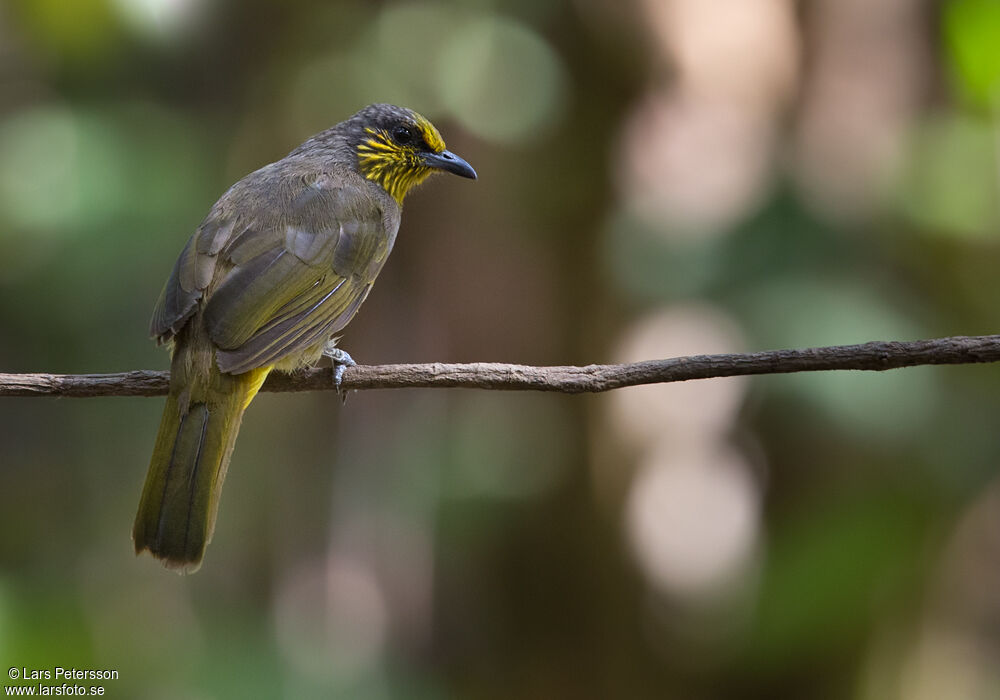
278, 289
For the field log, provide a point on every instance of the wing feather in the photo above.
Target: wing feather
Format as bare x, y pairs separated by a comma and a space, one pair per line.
284, 301
282, 333
272, 281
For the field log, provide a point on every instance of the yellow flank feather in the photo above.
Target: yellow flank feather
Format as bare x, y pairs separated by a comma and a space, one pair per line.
255, 380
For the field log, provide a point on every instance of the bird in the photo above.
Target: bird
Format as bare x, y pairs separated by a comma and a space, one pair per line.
280, 264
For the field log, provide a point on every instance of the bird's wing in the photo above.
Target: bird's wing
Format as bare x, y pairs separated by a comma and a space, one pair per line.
292, 284
191, 275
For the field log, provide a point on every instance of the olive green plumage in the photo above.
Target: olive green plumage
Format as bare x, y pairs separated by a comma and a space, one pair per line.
280, 264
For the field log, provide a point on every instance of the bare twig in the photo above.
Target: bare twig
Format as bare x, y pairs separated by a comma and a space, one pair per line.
571, 380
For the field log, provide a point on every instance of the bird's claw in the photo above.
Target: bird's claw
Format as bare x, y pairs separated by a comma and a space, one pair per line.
341, 361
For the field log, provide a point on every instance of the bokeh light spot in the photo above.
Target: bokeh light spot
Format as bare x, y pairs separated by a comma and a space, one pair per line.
160, 19
950, 185
971, 29
692, 518
834, 311
39, 183
689, 410
331, 624
501, 80
408, 39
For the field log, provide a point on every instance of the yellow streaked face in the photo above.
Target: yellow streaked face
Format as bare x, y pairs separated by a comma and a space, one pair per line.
401, 155
431, 136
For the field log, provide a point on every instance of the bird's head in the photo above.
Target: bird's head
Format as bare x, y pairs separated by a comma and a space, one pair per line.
398, 148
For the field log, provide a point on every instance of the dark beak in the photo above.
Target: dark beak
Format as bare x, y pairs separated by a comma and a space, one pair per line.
450, 163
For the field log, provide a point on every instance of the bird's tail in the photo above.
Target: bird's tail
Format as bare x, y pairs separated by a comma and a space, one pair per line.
181, 497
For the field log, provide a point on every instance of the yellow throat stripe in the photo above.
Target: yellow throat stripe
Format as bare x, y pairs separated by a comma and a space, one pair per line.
397, 168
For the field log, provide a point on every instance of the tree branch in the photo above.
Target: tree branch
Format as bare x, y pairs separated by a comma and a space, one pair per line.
875, 356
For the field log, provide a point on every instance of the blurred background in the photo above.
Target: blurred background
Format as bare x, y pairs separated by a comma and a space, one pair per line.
656, 178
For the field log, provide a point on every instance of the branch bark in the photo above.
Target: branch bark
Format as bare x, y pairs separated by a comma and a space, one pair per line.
875, 356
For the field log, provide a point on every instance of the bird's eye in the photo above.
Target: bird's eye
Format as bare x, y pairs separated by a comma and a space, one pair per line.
402, 134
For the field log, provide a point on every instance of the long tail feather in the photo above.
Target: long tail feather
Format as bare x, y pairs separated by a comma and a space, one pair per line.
180, 500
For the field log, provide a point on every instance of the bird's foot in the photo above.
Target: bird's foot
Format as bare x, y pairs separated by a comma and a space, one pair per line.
341, 361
